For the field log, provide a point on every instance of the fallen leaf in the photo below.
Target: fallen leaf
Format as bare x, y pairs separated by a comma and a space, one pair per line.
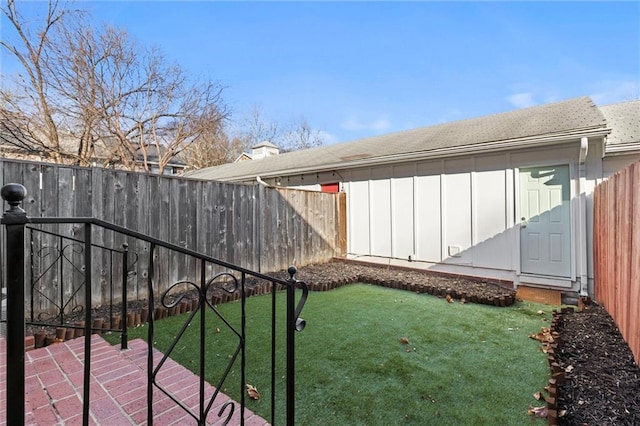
408, 349
537, 411
545, 335
463, 301
217, 329
562, 413
449, 298
404, 340
537, 396
540, 312
569, 368
252, 391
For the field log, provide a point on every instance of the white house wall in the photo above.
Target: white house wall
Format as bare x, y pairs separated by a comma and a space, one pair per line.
402, 216
358, 214
461, 214
427, 208
457, 215
456, 203
490, 215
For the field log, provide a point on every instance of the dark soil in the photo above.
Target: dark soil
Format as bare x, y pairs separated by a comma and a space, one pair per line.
603, 384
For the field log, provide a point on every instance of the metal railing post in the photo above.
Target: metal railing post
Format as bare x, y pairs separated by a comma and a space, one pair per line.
124, 337
291, 350
294, 323
15, 219
86, 394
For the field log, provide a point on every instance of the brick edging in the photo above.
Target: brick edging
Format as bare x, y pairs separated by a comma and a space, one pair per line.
557, 372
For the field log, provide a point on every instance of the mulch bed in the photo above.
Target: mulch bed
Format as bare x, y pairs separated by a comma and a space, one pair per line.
602, 386
326, 276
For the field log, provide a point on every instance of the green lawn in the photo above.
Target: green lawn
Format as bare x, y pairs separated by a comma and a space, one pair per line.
466, 364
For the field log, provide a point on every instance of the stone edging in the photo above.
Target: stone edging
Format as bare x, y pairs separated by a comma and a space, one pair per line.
136, 317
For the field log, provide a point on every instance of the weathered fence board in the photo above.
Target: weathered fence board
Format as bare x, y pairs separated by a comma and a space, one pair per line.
617, 251
257, 227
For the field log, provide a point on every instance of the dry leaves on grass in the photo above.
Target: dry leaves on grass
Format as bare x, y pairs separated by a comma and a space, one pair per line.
538, 411
546, 337
405, 341
252, 391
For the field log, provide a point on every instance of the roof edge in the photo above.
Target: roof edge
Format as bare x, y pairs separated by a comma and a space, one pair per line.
622, 148
551, 139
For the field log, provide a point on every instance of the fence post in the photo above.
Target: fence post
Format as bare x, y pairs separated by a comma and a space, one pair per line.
15, 219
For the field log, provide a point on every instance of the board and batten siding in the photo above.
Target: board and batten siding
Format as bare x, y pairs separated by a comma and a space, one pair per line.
451, 211
462, 214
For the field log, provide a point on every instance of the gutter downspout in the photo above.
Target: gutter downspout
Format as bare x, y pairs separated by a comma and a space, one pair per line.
582, 210
261, 182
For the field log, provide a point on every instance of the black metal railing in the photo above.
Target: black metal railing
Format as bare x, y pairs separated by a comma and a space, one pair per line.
209, 276
57, 278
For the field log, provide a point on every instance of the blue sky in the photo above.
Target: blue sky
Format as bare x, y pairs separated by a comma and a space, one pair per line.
357, 69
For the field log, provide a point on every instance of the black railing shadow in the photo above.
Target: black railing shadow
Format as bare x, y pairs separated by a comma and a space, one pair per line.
229, 278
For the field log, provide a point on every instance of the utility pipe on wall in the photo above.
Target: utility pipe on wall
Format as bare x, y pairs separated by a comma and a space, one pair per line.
582, 211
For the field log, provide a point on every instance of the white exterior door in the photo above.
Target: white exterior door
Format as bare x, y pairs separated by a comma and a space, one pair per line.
545, 228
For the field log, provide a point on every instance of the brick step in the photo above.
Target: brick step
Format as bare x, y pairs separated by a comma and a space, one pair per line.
118, 383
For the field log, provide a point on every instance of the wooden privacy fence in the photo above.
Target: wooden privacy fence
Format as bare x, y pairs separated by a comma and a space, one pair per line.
617, 251
257, 227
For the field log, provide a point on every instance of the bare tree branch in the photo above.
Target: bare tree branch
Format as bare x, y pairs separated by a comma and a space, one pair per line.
91, 93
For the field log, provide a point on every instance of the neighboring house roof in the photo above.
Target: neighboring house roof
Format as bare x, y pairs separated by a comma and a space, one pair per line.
524, 127
243, 157
624, 120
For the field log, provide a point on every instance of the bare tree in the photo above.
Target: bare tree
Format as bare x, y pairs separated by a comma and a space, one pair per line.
214, 148
256, 129
29, 49
115, 101
301, 136
151, 110
14, 135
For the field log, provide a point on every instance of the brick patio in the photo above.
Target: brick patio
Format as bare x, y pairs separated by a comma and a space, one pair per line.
54, 383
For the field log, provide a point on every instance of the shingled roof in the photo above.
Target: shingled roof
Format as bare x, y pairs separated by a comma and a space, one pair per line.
624, 120
524, 126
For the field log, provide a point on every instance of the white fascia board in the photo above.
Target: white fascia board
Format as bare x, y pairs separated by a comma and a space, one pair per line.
621, 149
